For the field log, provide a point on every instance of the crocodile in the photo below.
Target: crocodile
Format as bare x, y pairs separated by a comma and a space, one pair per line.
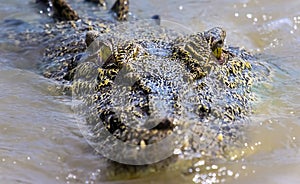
141, 90
201, 97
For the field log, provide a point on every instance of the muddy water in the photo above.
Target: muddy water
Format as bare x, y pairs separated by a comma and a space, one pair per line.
41, 143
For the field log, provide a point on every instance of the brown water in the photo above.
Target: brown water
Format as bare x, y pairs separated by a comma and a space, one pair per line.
40, 140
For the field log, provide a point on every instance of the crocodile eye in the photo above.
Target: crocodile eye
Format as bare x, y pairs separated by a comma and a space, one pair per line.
220, 42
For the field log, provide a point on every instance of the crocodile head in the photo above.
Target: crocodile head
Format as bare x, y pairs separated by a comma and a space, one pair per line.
141, 94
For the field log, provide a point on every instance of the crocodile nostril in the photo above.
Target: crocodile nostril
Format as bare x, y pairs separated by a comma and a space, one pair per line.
165, 124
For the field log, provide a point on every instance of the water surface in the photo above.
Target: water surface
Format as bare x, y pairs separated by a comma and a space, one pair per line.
40, 139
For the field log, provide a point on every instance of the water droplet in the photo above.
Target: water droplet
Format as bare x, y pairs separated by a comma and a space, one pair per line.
180, 7
177, 151
249, 15
71, 176
236, 175
199, 163
229, 173
196, 178
233, 157
28, 158
236, 14
264, 17
214, 167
